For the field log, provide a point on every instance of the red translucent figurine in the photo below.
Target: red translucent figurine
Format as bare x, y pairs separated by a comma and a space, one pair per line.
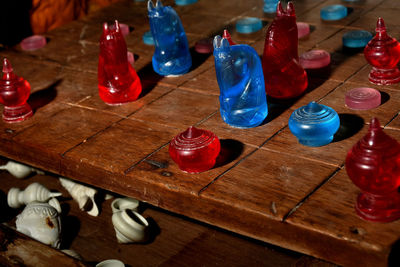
118, 80
228, 37
14, 92
284, 76
383, 53
373, 164
195, 150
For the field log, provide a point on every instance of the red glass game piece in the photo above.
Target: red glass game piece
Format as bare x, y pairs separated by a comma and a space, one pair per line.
284, 76
33, 42
118, 80
303, 29
363, 98
195, 150
14, 92
228, 37
383, 53
373, 164
315, 59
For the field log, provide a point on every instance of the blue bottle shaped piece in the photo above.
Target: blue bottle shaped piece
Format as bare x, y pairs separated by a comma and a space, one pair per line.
171, 54
314, 124
270, 6
243, 102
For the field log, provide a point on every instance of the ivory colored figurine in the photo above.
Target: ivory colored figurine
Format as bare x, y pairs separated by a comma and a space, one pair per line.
19, 170
130, 226
120, 204
35, 192
81, 194
42, 222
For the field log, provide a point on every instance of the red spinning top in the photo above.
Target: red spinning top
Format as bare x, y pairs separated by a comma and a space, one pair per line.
373, 164
118, 80
383, 53
284, 76
14, 92
195, 150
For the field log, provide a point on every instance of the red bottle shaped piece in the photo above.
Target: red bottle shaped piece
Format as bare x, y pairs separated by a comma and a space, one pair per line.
284, 76
195, 150
228, 37
373, 164
383, 53
118, 80
14, 92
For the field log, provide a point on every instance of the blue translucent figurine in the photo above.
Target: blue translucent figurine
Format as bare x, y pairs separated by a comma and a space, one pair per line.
270, 6
314, 124
243, 102
171, 55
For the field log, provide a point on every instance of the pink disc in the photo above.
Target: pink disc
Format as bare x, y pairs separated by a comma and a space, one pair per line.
204, 46
131, 58
303, 29
124, 29
315, 59
33, 42
363, 98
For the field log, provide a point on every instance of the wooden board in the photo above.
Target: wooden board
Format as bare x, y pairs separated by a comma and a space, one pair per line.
265, 184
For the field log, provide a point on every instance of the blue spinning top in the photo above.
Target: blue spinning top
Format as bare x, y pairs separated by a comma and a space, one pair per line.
314, 124
356, 39
248, 25
333, 12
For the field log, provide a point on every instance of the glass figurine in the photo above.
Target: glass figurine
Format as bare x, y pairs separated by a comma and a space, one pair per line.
14, 92
195, 150
284, 76
118, 80
314, 124
171, 55
270, 6
243, 102
373, 164
383, 53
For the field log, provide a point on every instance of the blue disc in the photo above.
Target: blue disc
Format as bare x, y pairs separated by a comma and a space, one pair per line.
184, 2
148, 38
333, 12
248, 25
270, 6
356, 39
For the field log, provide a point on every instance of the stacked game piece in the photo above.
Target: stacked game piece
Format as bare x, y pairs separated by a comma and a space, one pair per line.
333, 12
118, 80
248, 25
373, 166
315, 59
243, 102
171, 55
363, 98
314, 124
303, 29
356, 39
270, 6
195, 150
284, 76
383, 53
14, 92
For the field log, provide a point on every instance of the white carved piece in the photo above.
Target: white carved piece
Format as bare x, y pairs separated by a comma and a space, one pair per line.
110, 263
119, 204
34, 192
81, 194
19, 170
130, 226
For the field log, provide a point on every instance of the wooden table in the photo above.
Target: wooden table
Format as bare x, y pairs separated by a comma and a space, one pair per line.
267, 186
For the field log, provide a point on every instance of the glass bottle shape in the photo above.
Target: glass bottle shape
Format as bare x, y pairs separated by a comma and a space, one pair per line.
195, 150
118, 81
242, 97
171, 55
314, 124
383, 53
373, 164
284, 77
14, 92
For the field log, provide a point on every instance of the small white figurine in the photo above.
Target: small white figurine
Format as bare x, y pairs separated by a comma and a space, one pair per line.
110, 263
19, 170
40, 221
130, 226
81, 194
34, 192
119, 204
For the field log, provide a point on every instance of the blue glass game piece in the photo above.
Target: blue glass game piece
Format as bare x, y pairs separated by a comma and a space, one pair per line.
148, 38
243, 102
248, 25
356, 39
270, 6
184, 2
171, 55
333, 12
314, 124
